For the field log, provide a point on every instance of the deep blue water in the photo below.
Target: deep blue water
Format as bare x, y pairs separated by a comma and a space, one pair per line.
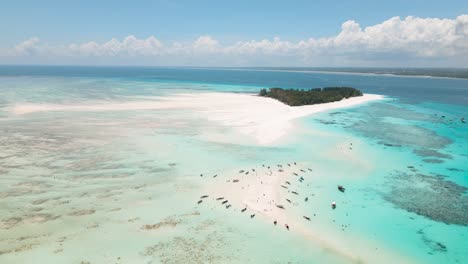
407, 88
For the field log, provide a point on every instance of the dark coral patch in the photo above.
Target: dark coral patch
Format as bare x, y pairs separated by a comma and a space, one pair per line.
431, 153
433, 161
433, 197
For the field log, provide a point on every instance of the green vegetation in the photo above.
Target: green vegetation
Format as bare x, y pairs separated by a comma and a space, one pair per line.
309, 97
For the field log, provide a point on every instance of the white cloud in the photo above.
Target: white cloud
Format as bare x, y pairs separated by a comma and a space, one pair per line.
206, 44
26, 47
411, 38
128, 46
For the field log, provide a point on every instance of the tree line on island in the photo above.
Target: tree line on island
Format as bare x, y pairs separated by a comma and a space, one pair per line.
295, 97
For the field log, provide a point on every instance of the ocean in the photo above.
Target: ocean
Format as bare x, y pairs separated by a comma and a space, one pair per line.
114, 183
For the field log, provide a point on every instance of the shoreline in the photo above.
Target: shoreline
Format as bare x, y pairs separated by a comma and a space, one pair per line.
264, 119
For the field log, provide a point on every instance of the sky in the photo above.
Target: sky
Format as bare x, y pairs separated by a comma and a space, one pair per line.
235, 33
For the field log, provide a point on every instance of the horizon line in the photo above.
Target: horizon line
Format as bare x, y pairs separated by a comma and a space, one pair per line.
232, 67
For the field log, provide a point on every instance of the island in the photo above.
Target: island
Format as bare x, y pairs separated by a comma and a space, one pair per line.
294, 97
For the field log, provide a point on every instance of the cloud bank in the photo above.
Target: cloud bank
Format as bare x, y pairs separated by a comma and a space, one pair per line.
411, 41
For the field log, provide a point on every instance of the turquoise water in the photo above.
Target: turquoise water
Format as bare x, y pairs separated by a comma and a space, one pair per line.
80, 187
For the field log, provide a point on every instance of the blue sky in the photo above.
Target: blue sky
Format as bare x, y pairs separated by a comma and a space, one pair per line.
77, 22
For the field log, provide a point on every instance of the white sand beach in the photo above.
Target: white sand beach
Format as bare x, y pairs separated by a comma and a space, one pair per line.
263, 119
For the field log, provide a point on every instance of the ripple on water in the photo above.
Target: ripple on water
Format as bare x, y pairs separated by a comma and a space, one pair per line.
11, 222
167, 222
435, 246
35, 218
433, 160
82, 212
189, 250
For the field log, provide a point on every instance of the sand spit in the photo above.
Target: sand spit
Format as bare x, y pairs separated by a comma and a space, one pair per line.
263, 119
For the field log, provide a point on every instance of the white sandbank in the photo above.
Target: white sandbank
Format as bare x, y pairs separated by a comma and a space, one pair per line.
262, 190
263, 119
